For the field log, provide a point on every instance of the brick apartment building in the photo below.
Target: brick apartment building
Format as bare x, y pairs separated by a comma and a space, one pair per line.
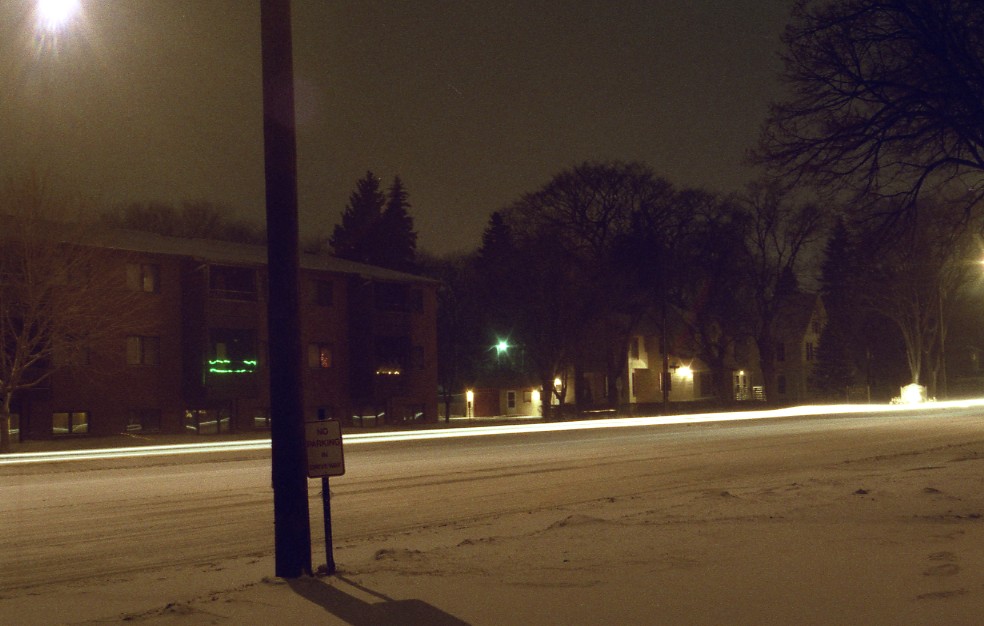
199, 362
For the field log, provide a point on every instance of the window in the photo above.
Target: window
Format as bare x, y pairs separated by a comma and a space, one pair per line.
75, 273
143, 421
232, 283
70, 423
232, 351
809, 350
261, 419
392, 355
781, 385
319, 355
143, 350
511, 399
392, 297
528, 396
71, 355
326, 412
816, 327
207, 421
143, 277
780, 351
703, 384
15, 428
324, 293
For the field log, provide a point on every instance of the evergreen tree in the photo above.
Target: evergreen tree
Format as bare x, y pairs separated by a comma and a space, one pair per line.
377, 229
396, 237
496, 270
836, 353
356, 237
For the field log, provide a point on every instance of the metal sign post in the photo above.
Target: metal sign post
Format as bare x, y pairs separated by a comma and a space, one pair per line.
325, 458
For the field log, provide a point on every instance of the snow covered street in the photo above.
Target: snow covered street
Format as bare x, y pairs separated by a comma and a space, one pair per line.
814, 520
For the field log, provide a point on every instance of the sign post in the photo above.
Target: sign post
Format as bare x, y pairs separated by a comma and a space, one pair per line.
325, 458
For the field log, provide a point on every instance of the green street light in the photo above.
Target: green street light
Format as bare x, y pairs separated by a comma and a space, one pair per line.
502, 346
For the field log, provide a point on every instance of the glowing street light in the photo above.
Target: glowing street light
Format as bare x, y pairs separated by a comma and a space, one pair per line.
54, 15
502, 346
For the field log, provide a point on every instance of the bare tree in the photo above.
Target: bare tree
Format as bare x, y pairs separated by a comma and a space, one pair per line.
913, 283
573, 235
778, 236
58, 297
885, 96
199, 219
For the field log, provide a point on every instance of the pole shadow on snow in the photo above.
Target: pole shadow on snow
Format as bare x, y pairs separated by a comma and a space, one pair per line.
361, 613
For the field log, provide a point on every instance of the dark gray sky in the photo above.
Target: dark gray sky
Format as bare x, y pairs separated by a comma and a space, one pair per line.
471, 102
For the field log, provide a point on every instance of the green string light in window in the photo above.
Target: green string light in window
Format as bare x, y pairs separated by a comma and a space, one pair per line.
227, 366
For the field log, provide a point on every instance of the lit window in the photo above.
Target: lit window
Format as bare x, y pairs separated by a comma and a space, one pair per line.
143, 277
232, 351
70, 423
143, 350
319, 355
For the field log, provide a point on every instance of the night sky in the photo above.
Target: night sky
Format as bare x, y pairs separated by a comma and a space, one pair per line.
472, 103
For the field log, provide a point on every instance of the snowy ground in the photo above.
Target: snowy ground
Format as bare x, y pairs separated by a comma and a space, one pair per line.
831, 522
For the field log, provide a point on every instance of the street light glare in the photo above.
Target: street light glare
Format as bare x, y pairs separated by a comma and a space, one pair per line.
53, 15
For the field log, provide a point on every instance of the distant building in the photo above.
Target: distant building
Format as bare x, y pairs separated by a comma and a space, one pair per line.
200, 365
797, 334
688, 379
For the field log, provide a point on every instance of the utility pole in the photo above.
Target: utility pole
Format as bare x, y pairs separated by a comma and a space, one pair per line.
292, 526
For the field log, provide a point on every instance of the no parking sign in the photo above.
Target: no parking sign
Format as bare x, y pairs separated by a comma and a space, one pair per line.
324, 448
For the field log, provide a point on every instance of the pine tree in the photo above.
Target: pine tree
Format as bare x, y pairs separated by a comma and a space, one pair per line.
395, 234
836, 353
377, 229
356, 237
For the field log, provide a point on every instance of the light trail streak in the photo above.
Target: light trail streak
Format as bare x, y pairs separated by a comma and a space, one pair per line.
485, 431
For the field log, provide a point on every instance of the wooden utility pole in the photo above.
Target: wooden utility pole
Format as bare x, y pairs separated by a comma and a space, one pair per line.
292, 527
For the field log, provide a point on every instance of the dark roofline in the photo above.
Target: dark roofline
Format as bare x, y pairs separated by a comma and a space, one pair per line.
215, 251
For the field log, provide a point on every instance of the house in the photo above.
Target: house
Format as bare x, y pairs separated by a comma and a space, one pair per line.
199, 362
797, 335
687, 378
